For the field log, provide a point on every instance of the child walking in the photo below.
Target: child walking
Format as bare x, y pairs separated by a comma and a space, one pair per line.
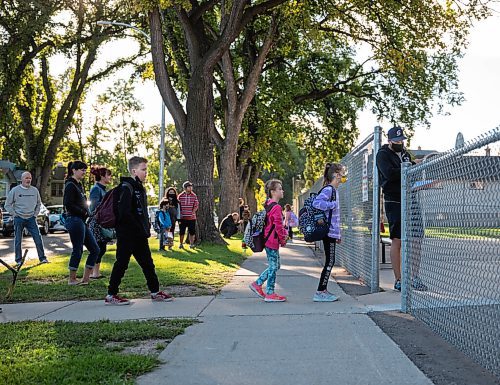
132, 233
165, 225
327, 200
276, 236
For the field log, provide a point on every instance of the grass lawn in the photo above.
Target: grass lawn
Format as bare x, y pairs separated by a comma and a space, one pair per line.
187, 272
82, 353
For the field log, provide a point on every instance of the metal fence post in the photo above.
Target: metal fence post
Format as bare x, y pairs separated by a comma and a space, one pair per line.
405, 279
374, 286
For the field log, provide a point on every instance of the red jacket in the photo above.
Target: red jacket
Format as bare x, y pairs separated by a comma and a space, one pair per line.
188, 204
280, 234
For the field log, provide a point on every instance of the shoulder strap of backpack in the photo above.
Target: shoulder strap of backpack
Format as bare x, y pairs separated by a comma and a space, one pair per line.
268, 209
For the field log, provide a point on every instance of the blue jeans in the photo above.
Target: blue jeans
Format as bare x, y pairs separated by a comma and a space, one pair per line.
80, 235
273, 260
30, 224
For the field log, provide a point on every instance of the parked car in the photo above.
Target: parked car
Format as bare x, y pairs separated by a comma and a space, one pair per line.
7, 226
55, 222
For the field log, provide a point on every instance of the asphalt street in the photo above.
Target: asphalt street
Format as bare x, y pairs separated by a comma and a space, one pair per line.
54, 244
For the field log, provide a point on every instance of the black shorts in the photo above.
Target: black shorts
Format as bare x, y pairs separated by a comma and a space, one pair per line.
415, 225
190, 224
393, 214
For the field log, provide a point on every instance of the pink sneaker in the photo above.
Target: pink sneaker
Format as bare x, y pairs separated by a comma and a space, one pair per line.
257, 289
161, 296
274, 298
115, 300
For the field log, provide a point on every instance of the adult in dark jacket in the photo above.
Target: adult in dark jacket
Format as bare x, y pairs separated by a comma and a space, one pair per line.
77, 212
229, 225
132, 233
389, 159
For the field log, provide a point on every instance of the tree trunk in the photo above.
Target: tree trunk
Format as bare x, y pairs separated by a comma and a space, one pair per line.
229, 182
198, 150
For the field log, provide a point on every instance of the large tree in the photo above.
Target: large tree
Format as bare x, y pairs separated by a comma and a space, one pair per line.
227, 45
45, 104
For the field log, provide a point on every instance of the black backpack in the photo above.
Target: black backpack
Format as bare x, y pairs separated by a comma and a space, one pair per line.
313, 222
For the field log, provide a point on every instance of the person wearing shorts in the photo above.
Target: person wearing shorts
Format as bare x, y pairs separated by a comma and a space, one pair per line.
389, 159
188, 203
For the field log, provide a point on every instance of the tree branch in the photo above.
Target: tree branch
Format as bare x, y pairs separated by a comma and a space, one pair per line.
195, 14
161, 74
253, 77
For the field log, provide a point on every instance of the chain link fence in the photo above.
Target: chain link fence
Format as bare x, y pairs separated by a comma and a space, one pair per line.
356, 252
451, 246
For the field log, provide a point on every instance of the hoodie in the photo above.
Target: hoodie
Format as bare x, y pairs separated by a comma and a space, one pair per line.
279, 235
133, 218
74, 200
389, 171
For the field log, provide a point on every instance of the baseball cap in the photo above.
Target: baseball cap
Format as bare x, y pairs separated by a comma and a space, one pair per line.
186, 184
396, 134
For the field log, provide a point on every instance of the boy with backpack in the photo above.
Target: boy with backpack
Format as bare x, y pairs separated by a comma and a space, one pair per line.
132, 233
274, 236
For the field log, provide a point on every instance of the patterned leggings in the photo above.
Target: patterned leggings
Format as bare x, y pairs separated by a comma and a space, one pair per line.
273, 260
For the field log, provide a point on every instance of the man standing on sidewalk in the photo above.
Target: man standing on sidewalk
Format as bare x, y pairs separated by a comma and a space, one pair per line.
23, 203
188, 202
389, 159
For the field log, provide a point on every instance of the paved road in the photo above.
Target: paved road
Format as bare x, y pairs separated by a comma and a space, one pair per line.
54, 244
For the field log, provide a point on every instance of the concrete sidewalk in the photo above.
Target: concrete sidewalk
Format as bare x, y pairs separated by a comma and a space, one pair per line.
243, 340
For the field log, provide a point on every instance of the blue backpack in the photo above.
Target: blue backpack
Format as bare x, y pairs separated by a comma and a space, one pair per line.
313, 222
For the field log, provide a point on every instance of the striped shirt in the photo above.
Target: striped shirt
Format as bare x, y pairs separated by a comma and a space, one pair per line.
189, 205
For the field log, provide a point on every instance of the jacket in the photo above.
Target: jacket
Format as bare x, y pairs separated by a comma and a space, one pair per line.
324, 201
280, 234
133, 218
74, 200
389, 171
97, 192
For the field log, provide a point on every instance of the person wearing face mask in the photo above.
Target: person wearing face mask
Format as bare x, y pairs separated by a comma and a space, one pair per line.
389, 159
173, 206
328, 201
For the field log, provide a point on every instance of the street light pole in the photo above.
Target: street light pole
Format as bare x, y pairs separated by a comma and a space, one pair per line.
162, 128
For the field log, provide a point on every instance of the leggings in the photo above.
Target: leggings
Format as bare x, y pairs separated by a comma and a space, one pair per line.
329, 246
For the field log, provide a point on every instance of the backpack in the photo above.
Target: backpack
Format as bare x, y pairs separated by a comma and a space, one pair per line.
106, 212
294, 221
313, 222
254, 233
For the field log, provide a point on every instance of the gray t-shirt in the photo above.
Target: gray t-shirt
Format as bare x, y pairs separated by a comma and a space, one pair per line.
23, 202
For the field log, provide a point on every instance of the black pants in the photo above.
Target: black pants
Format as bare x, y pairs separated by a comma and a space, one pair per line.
102, 250
329, 246
139, 248
290, 232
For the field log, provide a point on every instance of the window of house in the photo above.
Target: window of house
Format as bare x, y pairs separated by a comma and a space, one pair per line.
56, 189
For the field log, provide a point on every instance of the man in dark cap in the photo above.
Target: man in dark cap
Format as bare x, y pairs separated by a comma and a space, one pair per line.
389, 159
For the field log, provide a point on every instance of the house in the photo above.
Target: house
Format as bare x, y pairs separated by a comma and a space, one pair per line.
9, 176
57, 184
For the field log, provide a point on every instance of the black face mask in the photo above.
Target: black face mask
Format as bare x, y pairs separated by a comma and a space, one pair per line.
397, 147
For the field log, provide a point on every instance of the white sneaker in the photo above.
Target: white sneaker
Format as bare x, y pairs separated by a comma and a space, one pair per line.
324, 296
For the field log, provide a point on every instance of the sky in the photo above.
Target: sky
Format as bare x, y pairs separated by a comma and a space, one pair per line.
479, 80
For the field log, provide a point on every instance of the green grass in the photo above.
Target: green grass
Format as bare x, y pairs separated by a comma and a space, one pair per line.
77, 353
201, 271
462, 233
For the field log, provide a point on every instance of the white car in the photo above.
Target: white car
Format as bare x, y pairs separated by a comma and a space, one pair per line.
55, 223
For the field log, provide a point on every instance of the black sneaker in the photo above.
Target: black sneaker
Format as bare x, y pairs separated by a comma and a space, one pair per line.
44, 261
397, 285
